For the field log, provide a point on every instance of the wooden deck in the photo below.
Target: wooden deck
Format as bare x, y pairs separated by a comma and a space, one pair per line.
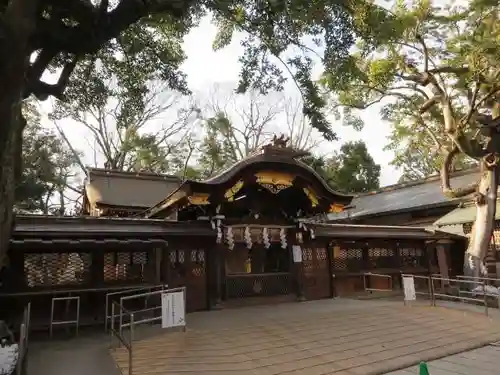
342, 337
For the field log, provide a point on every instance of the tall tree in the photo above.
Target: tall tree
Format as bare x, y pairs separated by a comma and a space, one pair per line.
238, 125
41, 35
351, 170
123, 136
441, 64
235, 126
48, 169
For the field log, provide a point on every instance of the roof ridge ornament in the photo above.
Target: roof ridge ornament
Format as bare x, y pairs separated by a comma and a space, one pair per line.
279, 146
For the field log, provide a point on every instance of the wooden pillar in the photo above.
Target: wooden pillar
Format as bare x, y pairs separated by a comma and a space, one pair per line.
297, 267
165, 265
443, 262
216, 274
158, 254
220, 274
365, 261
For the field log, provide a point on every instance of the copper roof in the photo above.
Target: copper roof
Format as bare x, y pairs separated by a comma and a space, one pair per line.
354, 231
87, 242
40, 226
274, 158
127, 189
414, 195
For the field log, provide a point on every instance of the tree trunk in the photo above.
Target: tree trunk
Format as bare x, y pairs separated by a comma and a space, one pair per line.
484, 224
18, 24
9, 171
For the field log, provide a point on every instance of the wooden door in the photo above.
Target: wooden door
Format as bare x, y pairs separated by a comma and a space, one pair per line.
316, 273
187, 267
196, 280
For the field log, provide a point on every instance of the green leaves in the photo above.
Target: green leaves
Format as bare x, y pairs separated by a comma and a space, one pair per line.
381, 73
352, 170
278, 35
225, 30
420, 35
47, 165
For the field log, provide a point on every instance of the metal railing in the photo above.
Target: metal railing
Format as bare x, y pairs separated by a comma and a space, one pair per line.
133, 322
479, 281
122, 340
380, 275
418, 292
478, 278
434, 294
76, 321
128, 291
147, 295
23, 339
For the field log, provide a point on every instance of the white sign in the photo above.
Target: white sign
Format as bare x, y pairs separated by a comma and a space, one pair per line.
173, 313
297, 254
409, 288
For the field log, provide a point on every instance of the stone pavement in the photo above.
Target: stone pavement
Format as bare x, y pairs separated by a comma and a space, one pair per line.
343, 337
482, 361
77, 356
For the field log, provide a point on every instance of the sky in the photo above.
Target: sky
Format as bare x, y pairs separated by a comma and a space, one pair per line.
206, 68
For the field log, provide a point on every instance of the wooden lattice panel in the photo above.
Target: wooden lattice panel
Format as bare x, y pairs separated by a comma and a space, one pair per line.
348, 259
48, 269
126, 266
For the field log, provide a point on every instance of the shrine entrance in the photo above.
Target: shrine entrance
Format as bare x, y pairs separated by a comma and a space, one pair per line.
317, 276
258, 272
187, 267
258, 209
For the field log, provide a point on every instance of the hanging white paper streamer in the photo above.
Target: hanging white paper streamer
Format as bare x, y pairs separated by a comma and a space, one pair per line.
248, 238
283, 238
265, 238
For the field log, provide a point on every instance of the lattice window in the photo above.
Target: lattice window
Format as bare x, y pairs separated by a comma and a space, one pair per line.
125, 266
412, 257
381, 257
321, 254
198, 256
347, 259
198, 262
307, 260
49, 269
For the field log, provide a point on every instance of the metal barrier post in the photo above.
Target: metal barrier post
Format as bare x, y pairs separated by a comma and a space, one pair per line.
130, 358
185, 307
121, 318
126, 291
485, 298
432, 295
27, 318
368, 274
112, 323
63, 322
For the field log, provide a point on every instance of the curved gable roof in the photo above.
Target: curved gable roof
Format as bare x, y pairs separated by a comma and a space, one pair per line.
269, 158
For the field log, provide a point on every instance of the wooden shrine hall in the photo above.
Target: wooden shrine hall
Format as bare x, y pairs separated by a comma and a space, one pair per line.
251, 233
